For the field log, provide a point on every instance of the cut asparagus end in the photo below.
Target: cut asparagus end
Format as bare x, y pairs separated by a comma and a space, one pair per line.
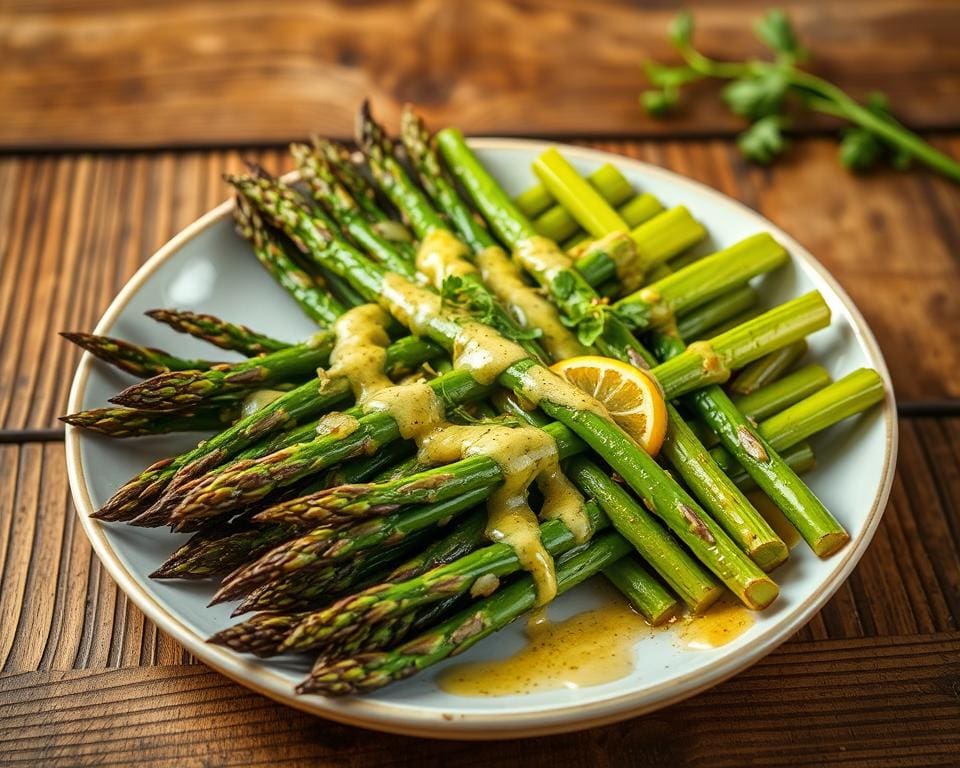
702, 602
830, 543
770, 554
759, 593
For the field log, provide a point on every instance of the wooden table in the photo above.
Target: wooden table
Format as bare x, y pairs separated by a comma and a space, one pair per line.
104, 110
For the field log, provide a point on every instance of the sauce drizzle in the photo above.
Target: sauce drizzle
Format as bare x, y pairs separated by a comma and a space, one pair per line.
589, 648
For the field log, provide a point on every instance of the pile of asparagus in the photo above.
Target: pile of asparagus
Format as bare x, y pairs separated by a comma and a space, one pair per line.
316, 514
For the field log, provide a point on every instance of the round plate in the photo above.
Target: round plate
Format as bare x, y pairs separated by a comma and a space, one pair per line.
208, 268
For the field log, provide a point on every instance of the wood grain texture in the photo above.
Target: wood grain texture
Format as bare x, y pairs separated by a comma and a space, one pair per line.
886, 702
74, 228
94, 73
872, 680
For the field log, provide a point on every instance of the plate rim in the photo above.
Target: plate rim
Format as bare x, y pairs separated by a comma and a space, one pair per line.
380, 716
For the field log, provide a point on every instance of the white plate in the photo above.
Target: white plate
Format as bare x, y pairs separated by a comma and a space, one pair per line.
207, 267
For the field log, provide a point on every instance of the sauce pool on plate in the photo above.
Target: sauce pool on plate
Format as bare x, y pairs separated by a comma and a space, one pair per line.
589, 648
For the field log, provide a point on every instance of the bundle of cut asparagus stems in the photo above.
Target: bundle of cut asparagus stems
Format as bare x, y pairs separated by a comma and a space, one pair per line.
369, 493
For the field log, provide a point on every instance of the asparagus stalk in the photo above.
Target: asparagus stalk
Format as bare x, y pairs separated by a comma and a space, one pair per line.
408, 198
252, 480
658, 240
772, 398
329, 190
705, 318
798, 503
643, 591
767, 369
426, 164
133, 358
340, 159
218, 332
558, 225
185, 388
306, 290
308, 589
128, 422
481, 569
376, 499
314, 558
392, 178
779, 395
800, 459
295, 407
266, 634
366, 672
222, 547
840, 400
607, 180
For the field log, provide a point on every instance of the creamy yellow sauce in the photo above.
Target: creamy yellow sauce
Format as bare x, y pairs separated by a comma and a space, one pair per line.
627, 260
525, 455
415, 407
538, 383
411, 304
590, 648
661, 315
726, 620
440, 255
484, 352
562, 501
542, 258
360, 351
531, 309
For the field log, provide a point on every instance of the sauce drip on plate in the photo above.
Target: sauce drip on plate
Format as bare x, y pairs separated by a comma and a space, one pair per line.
723, 622
589, 648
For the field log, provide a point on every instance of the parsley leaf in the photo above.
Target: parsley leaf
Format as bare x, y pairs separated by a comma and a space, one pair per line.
681, 30
763, 140
759, 96
776, 32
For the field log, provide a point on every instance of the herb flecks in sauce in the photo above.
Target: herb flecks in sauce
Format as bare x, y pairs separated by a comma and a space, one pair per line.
411, 304
538, 383
724, 622
589, 648
542, 257
485, 353
528, 306
360, 352
441, 255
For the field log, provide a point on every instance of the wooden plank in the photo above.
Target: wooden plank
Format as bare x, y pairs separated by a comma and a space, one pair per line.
879, 702
58, 607
111, 74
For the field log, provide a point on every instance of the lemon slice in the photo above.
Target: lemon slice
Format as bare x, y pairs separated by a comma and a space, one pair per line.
632, 396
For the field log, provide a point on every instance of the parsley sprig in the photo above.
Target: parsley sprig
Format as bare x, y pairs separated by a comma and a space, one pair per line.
761, 91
